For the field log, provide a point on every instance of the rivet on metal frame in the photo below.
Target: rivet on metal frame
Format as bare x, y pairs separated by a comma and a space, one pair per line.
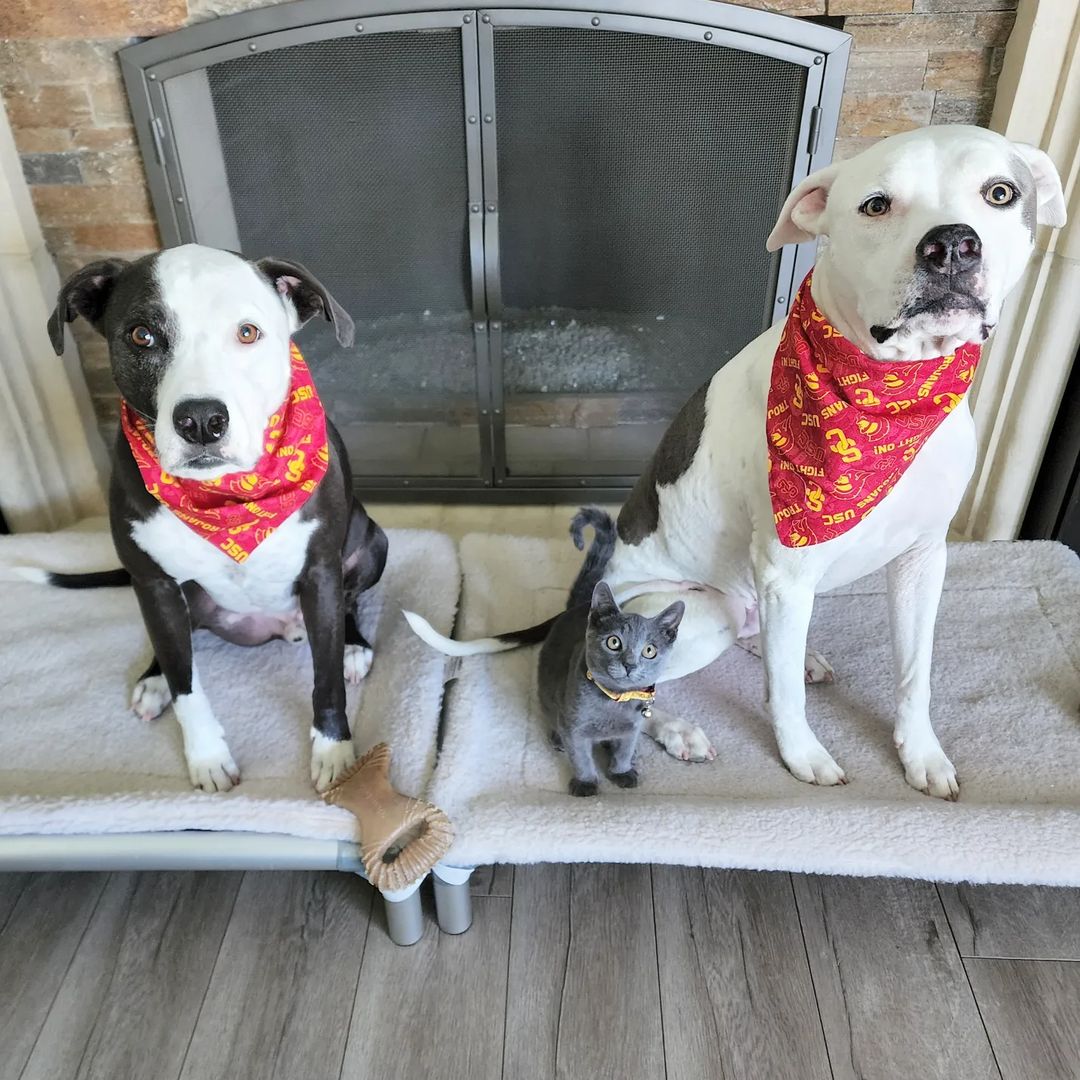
179, 198
472, 119
496, 326
467, 19
708, 35
359, 27
480, 326
252, 46
595, 21
498, 412
474, 208
817, 59
781, 299
152, 77
491, 208
485, 18
488, 118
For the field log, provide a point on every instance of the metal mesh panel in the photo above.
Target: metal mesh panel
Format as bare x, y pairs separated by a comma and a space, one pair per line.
348, 155
638, 179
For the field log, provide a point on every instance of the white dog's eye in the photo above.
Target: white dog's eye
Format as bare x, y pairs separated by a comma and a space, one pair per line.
614, 643
1000, 194
142, 337
247, 333
875, 206
649, 652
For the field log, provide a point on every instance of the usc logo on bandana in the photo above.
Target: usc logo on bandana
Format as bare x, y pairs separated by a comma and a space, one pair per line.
825, 478
237, 512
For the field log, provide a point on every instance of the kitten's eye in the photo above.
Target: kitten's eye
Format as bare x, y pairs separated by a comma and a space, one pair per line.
142, 336
614, 643
1000, 194
247, 333
875, 206
649, 652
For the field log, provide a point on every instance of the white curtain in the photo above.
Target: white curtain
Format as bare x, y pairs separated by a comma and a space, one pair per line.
52, 461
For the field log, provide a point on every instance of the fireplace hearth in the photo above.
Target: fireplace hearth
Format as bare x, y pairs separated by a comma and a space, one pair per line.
547, 224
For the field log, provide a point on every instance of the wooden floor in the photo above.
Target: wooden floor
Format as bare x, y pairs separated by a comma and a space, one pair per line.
597, 972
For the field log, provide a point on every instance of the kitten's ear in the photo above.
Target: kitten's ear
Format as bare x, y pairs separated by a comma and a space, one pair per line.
603, 601
668, 620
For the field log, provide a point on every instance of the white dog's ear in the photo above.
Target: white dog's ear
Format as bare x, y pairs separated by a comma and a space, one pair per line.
1047, 185
803, 213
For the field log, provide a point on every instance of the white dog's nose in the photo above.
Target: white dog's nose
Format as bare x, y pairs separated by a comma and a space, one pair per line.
949, 249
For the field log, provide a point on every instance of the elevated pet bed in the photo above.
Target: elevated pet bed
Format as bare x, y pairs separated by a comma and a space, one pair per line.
86, 785
1006, 684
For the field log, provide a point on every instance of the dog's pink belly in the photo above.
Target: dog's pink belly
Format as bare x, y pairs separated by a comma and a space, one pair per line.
242, 628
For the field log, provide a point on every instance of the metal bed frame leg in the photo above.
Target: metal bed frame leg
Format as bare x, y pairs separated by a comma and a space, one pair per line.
404, 916
453, 903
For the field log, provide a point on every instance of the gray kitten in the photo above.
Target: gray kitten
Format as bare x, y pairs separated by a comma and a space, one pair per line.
598, 667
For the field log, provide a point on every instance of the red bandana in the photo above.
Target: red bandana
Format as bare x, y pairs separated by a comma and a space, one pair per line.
237, 512
843, 428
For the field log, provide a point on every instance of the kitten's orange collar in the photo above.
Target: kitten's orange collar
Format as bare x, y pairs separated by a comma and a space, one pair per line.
648, 694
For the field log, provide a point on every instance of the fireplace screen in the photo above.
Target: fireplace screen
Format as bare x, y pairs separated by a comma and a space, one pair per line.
547, 225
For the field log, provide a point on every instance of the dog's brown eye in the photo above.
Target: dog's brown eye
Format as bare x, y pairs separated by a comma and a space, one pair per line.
614, 643
649, 652
247, 332
1000, 194
142, 337
875, 206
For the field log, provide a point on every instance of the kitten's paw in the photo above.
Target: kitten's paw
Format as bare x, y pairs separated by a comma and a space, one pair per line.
556, 741
626, 779
583, 788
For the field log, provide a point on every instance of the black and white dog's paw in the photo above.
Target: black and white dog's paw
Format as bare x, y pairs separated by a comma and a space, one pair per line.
330, 760
681, 740
358, 660
150, 698
817, 669
214, 771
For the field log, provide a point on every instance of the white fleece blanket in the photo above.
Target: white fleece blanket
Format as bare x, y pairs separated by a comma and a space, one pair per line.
1006, 686
74, 759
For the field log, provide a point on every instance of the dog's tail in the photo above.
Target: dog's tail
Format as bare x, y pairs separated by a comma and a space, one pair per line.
98, 579
515, 639
598, 555
592, 570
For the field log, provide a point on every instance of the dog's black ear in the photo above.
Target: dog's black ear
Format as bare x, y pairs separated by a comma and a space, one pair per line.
309, 296
85, 293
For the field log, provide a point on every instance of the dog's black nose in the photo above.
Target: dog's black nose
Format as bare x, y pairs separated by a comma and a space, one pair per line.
949, 249
201, 421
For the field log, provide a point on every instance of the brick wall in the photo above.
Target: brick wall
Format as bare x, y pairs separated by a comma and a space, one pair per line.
914, 62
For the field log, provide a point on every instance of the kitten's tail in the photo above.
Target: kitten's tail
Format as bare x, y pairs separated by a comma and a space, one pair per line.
598, 555
531, 635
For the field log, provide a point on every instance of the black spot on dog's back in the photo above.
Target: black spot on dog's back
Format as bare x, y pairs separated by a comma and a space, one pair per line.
641, 512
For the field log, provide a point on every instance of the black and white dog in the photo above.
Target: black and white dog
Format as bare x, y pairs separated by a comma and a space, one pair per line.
199, 341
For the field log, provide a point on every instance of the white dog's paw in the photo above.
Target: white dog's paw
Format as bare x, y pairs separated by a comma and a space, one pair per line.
812, 763
330, 760
151, 697
358, 660
817, 668
214, 771
927, 769
682, 740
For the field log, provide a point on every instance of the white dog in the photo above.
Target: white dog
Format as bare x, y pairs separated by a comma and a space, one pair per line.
924, 235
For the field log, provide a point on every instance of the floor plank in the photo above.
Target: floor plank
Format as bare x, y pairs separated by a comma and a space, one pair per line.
1031, 1009
11, 887
583, 996
39, 939
279, 1002
129, 1002
891, 987
1015, 921
492, 880
734, 981
435, 1009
